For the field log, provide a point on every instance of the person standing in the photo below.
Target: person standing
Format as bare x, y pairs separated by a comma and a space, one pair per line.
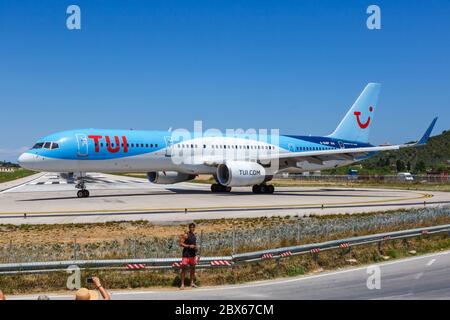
188, 241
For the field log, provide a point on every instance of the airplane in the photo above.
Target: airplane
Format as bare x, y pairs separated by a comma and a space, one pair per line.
233, 159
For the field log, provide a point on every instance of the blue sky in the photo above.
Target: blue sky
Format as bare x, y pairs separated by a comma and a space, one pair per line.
293, 65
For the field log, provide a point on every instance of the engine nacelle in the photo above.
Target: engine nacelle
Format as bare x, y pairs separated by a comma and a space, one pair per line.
241, 173
168, 177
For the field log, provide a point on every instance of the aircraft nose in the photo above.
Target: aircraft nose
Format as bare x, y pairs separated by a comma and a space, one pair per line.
26, 160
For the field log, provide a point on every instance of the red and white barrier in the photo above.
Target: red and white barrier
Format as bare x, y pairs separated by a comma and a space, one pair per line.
220, 263
267, 256
424, 231
344, 245
176, 265
135, 266
286, 254
315, 250
387, 238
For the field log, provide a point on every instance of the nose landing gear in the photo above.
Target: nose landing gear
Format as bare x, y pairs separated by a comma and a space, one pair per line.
83, 192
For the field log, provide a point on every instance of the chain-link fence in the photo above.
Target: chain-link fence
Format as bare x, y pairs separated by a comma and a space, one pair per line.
401, 178
234, 240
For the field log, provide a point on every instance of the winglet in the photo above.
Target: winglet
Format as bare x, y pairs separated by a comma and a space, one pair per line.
427, 133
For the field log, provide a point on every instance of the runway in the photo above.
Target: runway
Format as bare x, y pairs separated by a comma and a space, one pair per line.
423, 277
46, 198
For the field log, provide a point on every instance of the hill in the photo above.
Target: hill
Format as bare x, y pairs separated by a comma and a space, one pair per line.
434, 156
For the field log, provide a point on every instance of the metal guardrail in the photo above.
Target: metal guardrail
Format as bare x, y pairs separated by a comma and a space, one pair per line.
224, 261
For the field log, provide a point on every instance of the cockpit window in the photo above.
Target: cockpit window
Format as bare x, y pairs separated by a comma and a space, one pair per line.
38, 145
47, 145
55, 145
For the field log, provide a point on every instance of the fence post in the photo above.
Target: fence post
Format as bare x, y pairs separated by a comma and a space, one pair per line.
380, 252
234, 239
315, 257
75, 248
406, 243
200, 249
201, 242
298, 231
10, 251
134, 249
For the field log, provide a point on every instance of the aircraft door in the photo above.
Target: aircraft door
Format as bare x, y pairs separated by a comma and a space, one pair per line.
169, 146
82, 144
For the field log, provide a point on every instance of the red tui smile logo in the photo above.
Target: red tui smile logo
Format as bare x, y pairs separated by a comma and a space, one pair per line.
360, 124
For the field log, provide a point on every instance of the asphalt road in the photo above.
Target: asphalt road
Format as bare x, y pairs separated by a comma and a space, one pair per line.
49, 199
423, 277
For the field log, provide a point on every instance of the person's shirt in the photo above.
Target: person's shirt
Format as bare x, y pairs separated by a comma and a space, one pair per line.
190, 239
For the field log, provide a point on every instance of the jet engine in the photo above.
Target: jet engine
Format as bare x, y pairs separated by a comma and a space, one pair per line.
241, 173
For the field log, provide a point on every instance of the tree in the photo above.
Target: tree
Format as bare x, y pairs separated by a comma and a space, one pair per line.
400, 165
420, 167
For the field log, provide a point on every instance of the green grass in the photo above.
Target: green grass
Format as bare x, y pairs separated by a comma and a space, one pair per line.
19, 173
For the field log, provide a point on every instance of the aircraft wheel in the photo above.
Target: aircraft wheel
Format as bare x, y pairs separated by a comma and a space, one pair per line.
80, 194
263, 188
270, 189
256, 188
86, 193
220, 188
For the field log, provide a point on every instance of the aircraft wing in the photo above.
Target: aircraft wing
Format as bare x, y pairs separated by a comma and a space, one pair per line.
319, 156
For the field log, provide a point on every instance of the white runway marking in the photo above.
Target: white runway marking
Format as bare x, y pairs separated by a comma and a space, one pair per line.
418, 276
431, 262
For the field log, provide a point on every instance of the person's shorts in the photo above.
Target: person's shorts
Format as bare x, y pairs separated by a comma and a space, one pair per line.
188, 261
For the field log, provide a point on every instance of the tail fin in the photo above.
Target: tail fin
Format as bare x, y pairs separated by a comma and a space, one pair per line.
357, 122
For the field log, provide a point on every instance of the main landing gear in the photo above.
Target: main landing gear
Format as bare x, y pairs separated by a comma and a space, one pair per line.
83, 192
263, 188
219, 188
